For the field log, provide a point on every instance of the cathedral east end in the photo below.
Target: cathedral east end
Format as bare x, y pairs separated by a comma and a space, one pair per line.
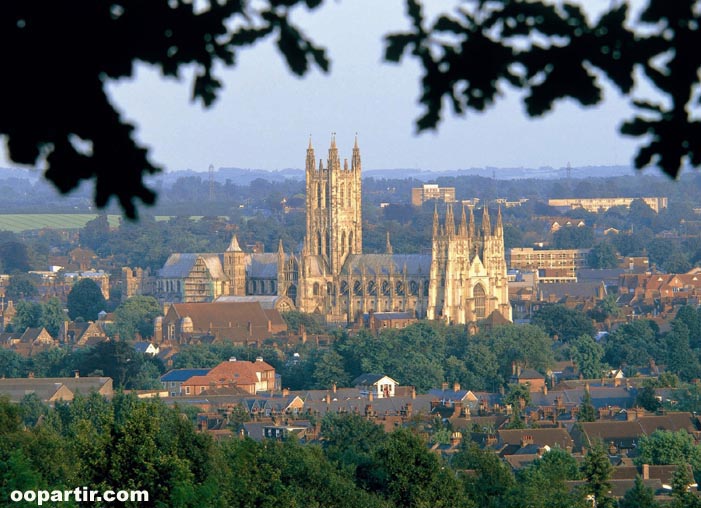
463, 280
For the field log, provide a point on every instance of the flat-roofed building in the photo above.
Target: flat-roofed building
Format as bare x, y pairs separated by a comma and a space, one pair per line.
563, 262
597, 205
429, 191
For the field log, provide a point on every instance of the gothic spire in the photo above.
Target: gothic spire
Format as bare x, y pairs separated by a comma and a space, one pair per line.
334, 161
311, 159
234, 245
355, 161
449, 221
486, 225
435, 220
388, 248
499, 228
463, 223
471, 226
280, 250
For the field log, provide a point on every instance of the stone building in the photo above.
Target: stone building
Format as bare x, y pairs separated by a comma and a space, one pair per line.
464, 279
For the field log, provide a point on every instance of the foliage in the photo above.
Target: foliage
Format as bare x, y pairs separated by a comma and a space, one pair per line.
602, 255
640, 496
185, 37
136, 316
587, 412
543, 483
553, 51
565, 323
53, 316
22, 286
597, 469
295, 320
633, 343
28, 316
647, 399
14, 257
492, 478
122, 363
669, 447
587, 355
85, 300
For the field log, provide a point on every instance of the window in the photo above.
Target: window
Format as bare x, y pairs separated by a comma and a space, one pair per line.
480, 301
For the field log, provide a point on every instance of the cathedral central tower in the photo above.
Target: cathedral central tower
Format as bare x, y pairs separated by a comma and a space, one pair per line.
334, 217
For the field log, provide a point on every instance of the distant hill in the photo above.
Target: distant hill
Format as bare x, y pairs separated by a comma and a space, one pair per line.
244, 176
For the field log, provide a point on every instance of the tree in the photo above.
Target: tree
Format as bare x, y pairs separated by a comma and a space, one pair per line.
14, 257
587, 411
587, 355
573, 238
468, 57
136, 315
85, 300
597, 469
492, 479
95, 233
603, 255
28, 316
550, 51
565, 323
406, 473
669, 447
640, 496
94, 142
22, 286
53, 316
647, 398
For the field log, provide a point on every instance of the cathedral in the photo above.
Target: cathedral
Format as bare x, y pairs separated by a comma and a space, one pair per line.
462, 281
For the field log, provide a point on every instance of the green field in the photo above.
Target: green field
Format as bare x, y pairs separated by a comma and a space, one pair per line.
18, 222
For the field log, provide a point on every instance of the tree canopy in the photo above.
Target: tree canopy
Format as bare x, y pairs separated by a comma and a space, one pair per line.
469, 58
72, 125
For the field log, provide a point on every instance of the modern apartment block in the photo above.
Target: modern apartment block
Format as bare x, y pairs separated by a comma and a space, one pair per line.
561, 263
429, 191
598, 205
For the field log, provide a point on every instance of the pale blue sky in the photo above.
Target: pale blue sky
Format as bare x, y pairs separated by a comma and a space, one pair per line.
265, 115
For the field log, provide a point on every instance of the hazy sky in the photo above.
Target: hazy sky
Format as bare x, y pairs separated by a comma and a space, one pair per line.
265, 115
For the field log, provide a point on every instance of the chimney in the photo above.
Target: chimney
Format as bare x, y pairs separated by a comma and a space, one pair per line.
328, 398
444, 386
30, 375
455, 439
259, 358
545, 389
456, 387
285, 392
646, 471
76, 373
413, 392
409, 408
371, 396
526, 440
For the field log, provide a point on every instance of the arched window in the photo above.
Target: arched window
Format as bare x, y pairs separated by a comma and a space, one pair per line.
357, 288
318, 195
318, 243
343, 243
316, 289
350, 242
341, 202
480, 301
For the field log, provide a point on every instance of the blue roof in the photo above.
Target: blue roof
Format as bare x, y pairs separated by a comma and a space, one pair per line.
141, 347
182, 374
